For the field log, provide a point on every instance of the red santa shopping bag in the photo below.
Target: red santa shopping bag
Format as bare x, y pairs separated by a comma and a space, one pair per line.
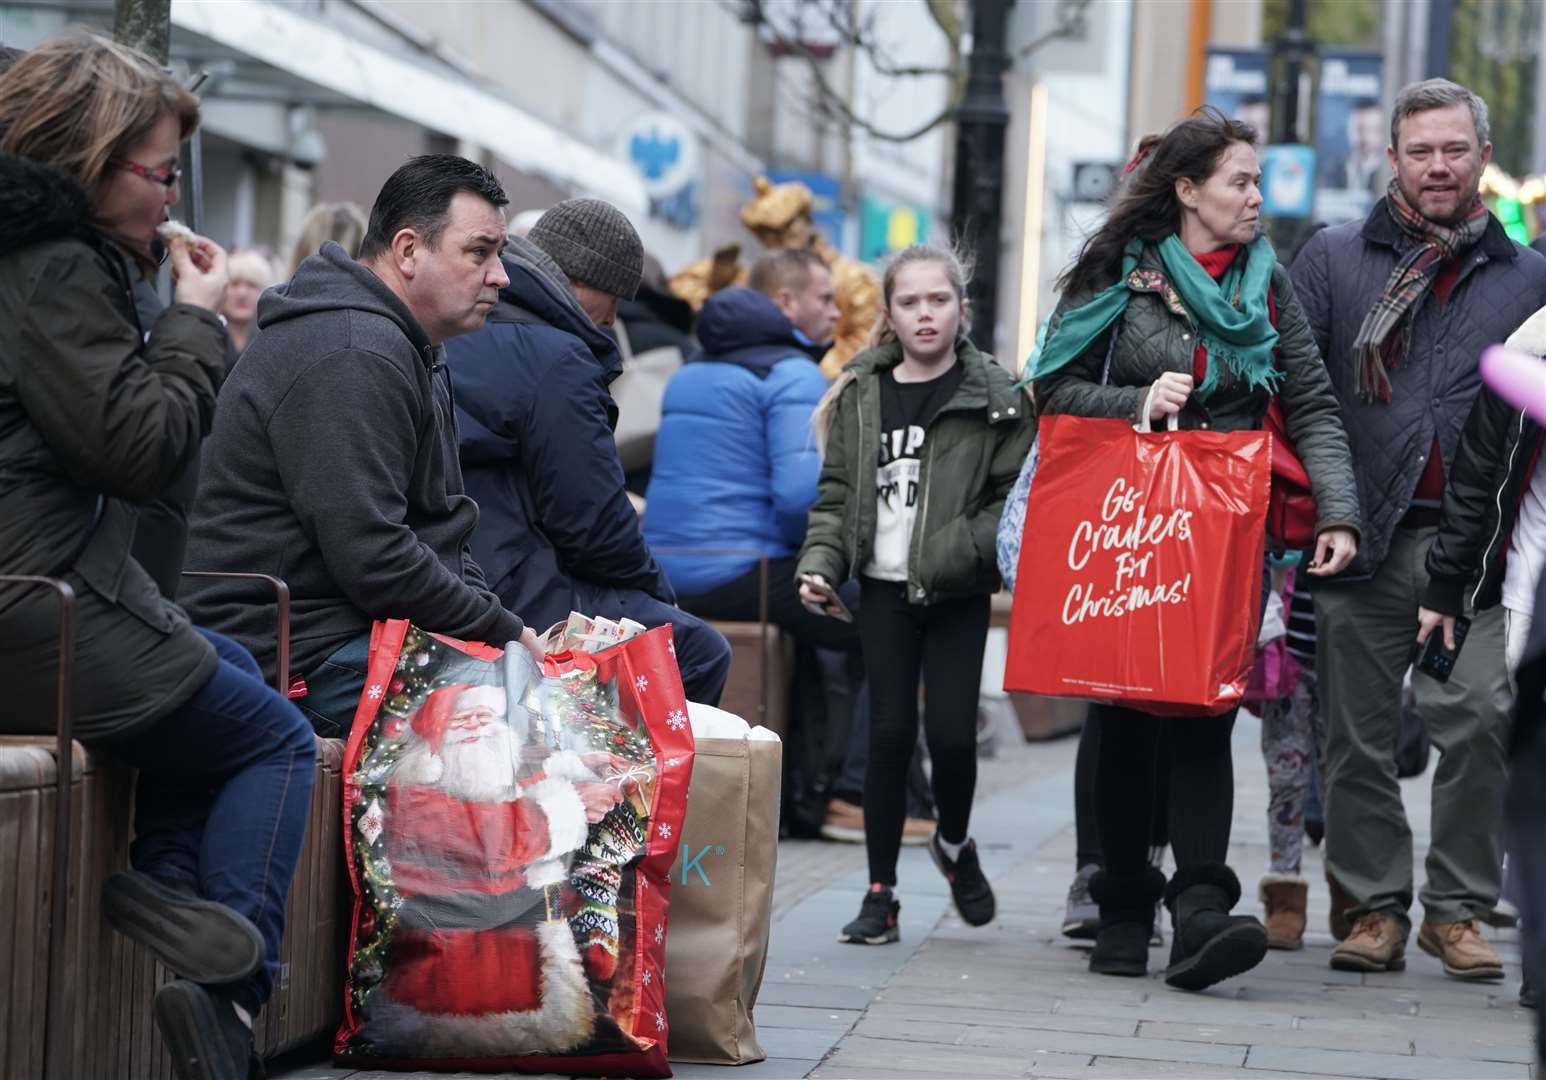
1140, 571
510, 838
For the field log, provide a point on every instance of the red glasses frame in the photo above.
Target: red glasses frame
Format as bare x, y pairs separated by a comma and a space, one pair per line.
164, 177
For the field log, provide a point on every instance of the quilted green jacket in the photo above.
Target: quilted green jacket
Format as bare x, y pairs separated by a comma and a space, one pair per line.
975, 447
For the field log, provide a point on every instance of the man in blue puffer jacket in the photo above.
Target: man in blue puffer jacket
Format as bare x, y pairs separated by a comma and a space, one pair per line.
735, 462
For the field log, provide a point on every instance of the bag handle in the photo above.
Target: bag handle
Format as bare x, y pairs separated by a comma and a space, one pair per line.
1173, 422
1145, 426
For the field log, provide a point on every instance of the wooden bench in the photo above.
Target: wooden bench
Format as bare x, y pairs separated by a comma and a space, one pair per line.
109, 981
757, 689
76, 995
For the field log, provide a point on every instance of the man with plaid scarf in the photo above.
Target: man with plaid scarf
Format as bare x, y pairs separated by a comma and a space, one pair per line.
1402, 305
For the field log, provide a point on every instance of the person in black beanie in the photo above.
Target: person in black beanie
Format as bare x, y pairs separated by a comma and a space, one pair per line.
557, 532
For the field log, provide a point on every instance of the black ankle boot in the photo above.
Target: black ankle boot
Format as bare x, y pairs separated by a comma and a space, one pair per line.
1210, 944
1126, 921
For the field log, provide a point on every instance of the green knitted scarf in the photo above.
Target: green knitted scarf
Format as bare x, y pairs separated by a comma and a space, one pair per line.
1232, 316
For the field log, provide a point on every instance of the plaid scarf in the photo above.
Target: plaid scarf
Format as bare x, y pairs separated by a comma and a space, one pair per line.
1409, 282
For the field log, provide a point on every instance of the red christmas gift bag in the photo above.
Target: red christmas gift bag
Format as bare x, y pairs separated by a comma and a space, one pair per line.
510, 838
1140, 570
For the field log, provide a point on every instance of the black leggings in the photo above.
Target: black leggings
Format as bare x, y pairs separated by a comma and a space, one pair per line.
943, 643
1086, 819
1202, 787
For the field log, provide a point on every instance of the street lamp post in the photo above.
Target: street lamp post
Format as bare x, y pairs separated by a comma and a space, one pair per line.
1291, 49
981, 121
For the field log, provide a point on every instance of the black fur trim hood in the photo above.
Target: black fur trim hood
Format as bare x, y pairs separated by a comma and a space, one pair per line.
39, 203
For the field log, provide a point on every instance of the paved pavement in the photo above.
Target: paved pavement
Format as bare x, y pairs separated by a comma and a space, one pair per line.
1014, 999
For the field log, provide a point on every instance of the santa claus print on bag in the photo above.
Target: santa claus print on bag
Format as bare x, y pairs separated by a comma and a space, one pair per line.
501, 837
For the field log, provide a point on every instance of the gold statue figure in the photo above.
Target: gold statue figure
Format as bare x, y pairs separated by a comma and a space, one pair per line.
780, 216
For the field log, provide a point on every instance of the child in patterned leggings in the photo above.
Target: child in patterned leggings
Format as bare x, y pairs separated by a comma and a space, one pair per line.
1293, 743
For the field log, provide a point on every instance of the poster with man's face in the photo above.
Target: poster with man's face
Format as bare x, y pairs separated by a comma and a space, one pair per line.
1351, 133
1236, 85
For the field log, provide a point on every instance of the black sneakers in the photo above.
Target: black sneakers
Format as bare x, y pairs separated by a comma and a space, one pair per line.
204, 1037
969, 888
197, 938
877, 921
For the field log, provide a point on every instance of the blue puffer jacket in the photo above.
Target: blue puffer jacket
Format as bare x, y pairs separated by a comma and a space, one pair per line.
735, 463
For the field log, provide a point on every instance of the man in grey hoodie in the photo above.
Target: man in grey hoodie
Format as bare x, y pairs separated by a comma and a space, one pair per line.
333, 461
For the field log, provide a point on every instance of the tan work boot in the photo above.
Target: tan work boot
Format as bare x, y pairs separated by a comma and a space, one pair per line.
1341, 900
916, 831
1377, 943
1461, 947
844, 822
1285, 896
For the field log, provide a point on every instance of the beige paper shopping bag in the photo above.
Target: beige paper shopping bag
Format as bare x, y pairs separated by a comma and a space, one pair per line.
722, 900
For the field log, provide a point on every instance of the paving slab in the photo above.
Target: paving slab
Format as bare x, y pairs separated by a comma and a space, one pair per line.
1140, 1069
803, 1018
1384, 1066
773, 1068
1010, 1018
863, 1052
1380, 1042
1197, 1053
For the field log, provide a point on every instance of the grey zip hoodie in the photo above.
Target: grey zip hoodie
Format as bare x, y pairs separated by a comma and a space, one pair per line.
333, 465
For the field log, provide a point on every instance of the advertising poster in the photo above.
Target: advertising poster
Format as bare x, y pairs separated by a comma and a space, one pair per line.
1352, 130
1288, 180
1236, 85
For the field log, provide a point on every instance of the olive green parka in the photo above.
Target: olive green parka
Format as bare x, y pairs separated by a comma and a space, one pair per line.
971, 458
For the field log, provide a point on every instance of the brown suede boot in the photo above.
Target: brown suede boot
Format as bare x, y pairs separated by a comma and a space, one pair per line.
1285, 896
1341, 901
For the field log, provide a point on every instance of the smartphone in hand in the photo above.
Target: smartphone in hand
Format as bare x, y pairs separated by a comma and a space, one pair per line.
1436, 661
831, 603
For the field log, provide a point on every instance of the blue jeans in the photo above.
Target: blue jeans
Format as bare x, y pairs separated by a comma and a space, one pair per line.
224, 791
333, 688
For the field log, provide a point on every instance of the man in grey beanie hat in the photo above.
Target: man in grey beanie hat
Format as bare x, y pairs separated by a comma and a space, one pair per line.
596, 247
556, 532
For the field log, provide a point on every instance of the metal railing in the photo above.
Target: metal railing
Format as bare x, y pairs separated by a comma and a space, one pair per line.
762, 608
282, 602
54, 1019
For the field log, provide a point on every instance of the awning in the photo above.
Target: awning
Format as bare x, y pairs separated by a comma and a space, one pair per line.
324, 56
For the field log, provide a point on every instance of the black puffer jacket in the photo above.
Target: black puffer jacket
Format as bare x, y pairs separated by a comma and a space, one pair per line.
1156, 334
538, 452
1499, 451
94, 420
1340, 274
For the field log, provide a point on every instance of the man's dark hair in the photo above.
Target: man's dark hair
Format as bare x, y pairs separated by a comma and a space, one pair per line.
9, 56
786, 268
418, 197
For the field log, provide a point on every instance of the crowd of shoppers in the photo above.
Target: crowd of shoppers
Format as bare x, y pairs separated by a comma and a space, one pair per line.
418, 422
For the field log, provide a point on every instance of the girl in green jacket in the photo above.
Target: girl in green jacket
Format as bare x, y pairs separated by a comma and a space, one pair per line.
923, 439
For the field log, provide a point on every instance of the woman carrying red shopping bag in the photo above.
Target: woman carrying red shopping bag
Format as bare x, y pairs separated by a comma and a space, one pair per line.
1207, 332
